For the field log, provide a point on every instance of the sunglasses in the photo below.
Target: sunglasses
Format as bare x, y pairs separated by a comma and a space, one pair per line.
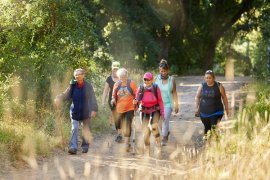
163, 65
209, 72
146, 79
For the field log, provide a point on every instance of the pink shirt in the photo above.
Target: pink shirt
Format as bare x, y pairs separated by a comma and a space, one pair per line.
149, 99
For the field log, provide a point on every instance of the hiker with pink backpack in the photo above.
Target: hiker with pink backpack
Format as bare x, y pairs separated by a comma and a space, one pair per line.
149, 100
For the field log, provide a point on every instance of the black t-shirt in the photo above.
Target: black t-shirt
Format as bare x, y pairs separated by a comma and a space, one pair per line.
110, 81
210, 99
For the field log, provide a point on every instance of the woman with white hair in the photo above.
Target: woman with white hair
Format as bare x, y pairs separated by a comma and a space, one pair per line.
123, 95
84, 106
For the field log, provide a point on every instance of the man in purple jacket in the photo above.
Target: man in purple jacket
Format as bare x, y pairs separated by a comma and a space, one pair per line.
84, 106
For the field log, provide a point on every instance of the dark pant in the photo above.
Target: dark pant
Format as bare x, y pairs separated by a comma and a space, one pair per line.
210, 122
124, 122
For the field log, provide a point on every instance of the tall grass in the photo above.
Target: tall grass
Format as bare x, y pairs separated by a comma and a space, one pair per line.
27, 133
242, 152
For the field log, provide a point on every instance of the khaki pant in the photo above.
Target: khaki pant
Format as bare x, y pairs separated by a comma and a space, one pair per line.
154, 126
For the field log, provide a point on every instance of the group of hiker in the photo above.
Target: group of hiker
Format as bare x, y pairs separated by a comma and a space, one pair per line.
155, 99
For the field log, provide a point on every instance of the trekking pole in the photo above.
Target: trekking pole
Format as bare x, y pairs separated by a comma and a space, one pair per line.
134, 131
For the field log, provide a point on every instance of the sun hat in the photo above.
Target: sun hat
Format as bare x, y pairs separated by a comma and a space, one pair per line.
115, 65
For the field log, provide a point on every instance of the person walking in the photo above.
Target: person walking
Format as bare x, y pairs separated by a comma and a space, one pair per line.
149, 100
83, 107
210, 101
123, 95
167, 85
107, 92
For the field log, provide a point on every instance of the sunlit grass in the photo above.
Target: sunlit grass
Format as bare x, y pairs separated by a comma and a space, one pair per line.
242, 152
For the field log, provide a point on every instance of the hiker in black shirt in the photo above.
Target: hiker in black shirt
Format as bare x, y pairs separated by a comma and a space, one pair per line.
210, 99
107, 92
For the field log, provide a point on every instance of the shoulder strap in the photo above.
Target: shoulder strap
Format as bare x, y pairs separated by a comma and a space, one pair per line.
141, 92
119, 86
219, 85
155, 86
129, 88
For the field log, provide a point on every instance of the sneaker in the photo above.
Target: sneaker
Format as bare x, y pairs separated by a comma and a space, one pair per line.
72, 151
163, 142
165, 139
85, 151
118, 138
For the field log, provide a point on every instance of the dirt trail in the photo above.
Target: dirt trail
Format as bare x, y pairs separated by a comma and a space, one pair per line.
105, 160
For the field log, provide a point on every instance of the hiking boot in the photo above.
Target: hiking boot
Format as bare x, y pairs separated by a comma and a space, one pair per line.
165, 139
118, 138
72, 151
85, 151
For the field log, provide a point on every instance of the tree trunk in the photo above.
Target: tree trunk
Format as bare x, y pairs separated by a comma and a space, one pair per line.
164, 49
208, 55
229, 68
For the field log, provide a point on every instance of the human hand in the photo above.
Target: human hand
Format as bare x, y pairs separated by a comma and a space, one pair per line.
56, 102
135, 101
197, 112
93, 114
162, 117
113, 102
227, 112
176, 109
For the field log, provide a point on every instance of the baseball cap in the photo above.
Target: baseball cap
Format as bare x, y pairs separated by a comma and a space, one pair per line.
115, 65
148, 76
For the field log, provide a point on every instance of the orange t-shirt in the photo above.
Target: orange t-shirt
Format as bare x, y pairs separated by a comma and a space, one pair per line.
124, 97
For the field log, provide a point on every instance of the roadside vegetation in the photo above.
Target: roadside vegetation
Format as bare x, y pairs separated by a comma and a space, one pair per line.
244, 151
43, 41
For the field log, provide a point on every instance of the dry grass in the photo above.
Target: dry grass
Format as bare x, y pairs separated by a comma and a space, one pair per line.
237, 155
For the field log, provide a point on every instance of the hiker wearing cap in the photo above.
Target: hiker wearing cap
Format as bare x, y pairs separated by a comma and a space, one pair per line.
167, 86
149, 99
123, 95
83, 107
209, 102
108, 88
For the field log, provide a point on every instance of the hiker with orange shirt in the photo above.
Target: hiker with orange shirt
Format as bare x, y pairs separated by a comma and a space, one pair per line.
123, 96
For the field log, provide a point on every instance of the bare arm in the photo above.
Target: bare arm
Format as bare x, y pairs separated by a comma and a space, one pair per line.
175, 97
105, 93
224, 98
197, 100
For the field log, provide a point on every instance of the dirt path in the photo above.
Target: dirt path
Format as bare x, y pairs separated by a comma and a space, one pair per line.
105, 160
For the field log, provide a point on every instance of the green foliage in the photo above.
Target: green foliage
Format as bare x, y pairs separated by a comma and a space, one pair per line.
101, 123
11, 142
262, 103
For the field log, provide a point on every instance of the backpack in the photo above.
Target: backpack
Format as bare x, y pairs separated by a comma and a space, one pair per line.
128, 87
154, 90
